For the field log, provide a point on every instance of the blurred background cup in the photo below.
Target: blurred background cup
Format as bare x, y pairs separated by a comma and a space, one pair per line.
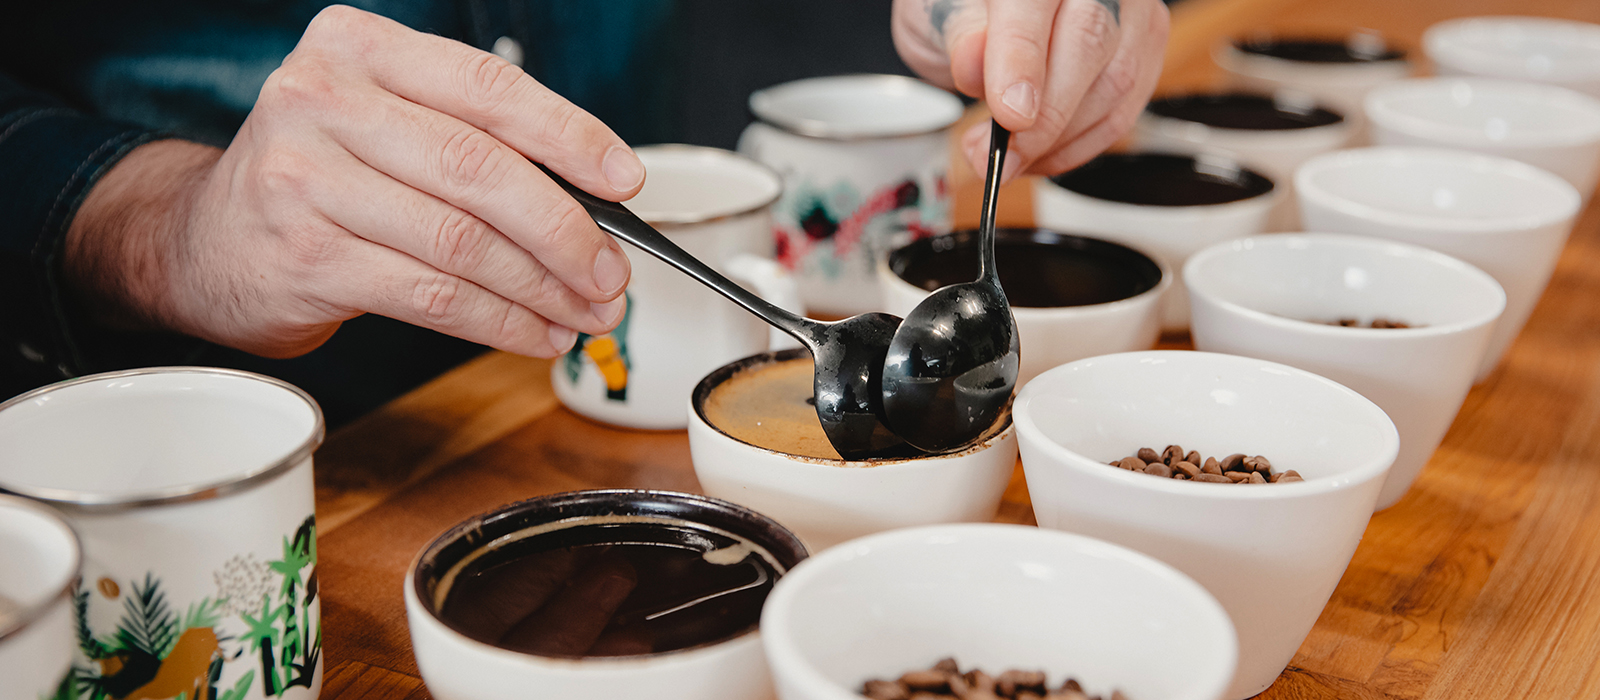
1270, 553
1165, 205
1544, 126
1505, 217
863, 158
1072, 296
1271, 134
191, 491
39, 562
756, 441
715, 204
995, 597
1279, 298
1534, 49
1334, 71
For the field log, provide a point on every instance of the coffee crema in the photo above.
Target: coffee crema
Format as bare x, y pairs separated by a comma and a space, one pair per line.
1243, 111
1160, 179
771, 405
1038, 268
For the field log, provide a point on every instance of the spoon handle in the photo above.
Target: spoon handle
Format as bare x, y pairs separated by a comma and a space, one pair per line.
615, 219
999, 142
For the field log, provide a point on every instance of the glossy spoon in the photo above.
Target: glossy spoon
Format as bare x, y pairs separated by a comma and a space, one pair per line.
952, 364
848, 355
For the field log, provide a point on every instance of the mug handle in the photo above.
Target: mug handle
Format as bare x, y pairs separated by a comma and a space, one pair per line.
770, 282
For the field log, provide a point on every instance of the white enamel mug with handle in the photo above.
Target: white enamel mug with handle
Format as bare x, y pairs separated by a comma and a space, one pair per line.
716, 205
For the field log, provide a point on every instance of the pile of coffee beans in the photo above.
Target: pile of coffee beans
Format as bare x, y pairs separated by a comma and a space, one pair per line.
1174, 463
1379, 322
945, 681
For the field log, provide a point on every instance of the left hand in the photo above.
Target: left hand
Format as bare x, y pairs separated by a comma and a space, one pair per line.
1067, 77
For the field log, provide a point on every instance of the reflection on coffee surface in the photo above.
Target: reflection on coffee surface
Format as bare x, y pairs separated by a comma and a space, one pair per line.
616, 588
770, 405
1359, 48
1244, 111
1157, 179
1038, 268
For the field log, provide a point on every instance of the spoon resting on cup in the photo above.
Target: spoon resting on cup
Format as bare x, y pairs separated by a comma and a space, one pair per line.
848, 355
953, 362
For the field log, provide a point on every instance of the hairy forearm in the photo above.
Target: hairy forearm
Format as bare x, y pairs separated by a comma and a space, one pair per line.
126, 240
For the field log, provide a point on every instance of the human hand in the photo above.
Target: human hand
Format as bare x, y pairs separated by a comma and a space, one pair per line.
1067, 77
382, 170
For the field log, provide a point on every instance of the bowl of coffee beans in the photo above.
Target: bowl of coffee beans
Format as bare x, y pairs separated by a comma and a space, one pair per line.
610, 593
987, 611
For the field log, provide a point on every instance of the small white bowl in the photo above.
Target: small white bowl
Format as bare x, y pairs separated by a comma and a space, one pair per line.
40, 560
1542, 125
995, 597
1270, 553
1271, 297
1340, 81
1506, 217
1536, 49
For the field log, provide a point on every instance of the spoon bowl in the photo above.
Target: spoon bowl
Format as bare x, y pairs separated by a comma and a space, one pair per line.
952, 364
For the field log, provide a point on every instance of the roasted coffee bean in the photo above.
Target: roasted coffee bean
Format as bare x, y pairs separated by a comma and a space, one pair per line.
930, 679
1148, 455
1214, 478
1193, 457
1237, 477
1158, 469
1290, 475
1013, 681
1072, 684
1187, 468
927, 695
1257, 478
885, 690
947, 664
978, 680
1132, 464
1173, 453
1211, 466
1258, 464
1233, 462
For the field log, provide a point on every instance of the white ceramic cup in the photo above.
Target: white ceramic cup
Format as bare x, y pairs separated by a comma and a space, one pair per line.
1507, 218
1332, 72
715, 204
1270, 134
863, 159
191, 490
1272, 297
1115, 197
828, 501
456, 666
1271, 553
1542, 125
1534, 49
995, 597
39, 561
1113, 320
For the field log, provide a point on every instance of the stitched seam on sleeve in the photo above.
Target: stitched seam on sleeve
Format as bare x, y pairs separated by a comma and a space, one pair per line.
35, 115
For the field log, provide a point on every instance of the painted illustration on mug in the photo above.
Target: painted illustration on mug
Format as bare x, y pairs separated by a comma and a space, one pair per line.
609, 355
836, 225
262, 611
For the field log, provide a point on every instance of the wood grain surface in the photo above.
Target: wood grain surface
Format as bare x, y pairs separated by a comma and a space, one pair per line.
1480, 583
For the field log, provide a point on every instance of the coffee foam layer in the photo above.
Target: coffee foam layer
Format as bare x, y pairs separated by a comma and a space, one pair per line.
768, 406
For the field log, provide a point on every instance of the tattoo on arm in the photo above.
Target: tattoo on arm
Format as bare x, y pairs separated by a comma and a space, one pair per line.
939, 12
1115, 8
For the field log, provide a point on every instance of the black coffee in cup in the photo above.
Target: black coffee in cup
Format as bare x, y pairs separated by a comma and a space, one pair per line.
1038, 268
1244, 111
1360, 47
1160, 179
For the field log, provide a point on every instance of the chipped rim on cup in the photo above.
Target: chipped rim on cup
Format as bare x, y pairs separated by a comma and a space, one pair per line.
707, 384
31, 613
87, 501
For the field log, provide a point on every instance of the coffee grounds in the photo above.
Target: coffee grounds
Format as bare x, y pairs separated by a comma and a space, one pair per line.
946, 681
1174, 463
1379, 322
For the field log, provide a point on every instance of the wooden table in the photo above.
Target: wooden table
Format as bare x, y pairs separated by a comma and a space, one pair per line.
1481, 583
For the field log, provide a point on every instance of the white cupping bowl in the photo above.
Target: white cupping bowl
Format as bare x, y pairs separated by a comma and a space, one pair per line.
1537, 49
1270, 553
1542, 125
1272, 297
1506, 217
994, 597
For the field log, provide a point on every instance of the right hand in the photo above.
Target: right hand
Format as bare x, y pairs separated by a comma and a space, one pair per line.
382, 170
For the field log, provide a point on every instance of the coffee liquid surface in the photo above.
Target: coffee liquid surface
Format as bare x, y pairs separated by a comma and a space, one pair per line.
1162, 180
770, 406
1319, 51
609, 599
1033, 274
1251, 112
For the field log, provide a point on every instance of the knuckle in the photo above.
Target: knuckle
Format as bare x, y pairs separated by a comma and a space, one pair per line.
1120, 78
437, 298
1030, 44
459, 241
488, 82
284, 173
471, 158
1096, 31
337, 22
568, 224
298, 86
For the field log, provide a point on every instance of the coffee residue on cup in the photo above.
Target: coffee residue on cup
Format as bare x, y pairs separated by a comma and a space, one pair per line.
945, 681
770, 405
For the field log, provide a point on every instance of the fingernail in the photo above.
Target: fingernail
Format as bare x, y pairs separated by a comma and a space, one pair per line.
1020, 97
562, 338
609, 313
622, 169
610, 270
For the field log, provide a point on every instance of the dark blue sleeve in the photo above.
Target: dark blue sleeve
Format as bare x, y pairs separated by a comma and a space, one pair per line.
50, 156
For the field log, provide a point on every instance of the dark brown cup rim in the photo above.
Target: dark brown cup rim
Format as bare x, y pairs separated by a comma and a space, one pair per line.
1147, 271
1144, 173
